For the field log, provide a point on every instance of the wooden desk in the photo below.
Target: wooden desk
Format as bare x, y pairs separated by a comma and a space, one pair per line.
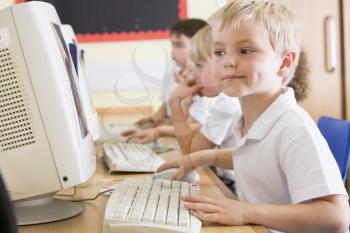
91, 220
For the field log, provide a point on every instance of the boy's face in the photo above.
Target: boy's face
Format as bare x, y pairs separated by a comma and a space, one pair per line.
204, 75
180, 44
249, 63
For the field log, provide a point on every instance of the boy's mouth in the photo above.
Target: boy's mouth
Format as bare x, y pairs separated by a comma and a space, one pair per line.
231, 77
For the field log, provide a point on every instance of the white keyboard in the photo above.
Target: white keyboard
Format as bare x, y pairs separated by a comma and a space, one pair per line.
112, 133
150, 206
128, 157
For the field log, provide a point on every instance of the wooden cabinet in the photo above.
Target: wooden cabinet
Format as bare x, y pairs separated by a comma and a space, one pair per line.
326, 87
345, 10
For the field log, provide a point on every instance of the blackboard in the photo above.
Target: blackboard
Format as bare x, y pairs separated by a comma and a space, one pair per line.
109, 20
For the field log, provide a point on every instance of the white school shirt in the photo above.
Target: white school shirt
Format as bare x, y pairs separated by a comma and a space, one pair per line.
200, 108
283, 158
224, 112
218, 128
168, 86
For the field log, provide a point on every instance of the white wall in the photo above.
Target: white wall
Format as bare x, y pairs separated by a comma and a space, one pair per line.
132, 68
118, 69
113, 62
4, 3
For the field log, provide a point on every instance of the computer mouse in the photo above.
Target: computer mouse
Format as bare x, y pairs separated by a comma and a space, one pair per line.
192, 177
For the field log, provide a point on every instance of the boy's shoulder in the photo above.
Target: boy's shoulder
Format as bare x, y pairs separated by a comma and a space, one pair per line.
296, 121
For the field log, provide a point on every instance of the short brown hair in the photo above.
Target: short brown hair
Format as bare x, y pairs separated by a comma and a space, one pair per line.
187, 27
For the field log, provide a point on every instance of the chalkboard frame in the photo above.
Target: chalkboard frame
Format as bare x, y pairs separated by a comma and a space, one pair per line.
132, 35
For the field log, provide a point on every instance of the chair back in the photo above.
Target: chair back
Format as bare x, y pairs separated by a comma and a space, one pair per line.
337, 134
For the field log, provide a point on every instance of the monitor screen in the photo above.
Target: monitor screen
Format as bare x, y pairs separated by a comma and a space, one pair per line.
83, 72
72, 79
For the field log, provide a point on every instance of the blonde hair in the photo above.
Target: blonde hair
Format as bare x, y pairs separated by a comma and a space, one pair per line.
200, 50
279, 22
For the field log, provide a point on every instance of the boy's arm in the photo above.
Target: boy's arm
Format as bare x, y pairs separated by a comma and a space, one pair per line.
159, 116
322, 215
325, 214
155, 118
187, 163
213, 157
182, 130
169, 130
200, 142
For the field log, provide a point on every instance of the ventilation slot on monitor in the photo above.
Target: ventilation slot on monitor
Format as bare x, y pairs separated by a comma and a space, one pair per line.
16, 127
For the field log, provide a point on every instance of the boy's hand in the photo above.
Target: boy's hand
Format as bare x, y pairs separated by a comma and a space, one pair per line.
184, 164
185, 88
224, 211
147, 120
142, 136
127, 133
184, 74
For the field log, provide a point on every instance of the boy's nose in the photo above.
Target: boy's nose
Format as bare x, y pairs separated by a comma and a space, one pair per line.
230, 62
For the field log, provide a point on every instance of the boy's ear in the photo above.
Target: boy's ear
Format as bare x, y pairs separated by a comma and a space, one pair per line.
287, 63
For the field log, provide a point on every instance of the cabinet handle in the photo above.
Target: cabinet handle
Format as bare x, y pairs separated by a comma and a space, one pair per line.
331, 44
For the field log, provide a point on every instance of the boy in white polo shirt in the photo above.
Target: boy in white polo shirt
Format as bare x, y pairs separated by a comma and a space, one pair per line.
286, 176
181, 34
196, 108
216, 132
224, 110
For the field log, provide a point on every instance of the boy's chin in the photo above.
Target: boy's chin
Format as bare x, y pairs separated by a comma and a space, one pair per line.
180, 64
208, 92
231, 93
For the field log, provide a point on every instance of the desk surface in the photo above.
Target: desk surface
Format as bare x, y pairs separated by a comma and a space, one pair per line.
91, 220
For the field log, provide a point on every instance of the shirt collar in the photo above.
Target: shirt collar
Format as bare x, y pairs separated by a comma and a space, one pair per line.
268, 118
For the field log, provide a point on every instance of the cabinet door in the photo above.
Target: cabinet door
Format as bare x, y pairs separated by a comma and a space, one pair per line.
325, 95
346, 53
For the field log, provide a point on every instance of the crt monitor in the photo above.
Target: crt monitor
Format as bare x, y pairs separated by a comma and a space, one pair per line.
77, 58
45, 145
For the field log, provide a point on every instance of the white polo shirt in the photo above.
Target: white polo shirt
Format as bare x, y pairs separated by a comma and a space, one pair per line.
168, 86
200, 108
283, 158
218, 128
224, 113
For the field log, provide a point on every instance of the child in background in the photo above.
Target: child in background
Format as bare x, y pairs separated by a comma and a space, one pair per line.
181, 34
286, 176
223, 111
195, 107
216, 132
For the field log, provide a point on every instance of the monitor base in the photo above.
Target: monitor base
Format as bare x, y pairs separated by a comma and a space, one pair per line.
44, 209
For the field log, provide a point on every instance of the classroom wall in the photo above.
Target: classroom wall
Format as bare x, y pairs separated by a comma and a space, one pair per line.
4, 3
119, 73
121, 67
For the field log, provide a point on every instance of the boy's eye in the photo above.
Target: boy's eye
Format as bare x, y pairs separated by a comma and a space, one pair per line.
219, 53
246, 51
178, 45
198, 66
